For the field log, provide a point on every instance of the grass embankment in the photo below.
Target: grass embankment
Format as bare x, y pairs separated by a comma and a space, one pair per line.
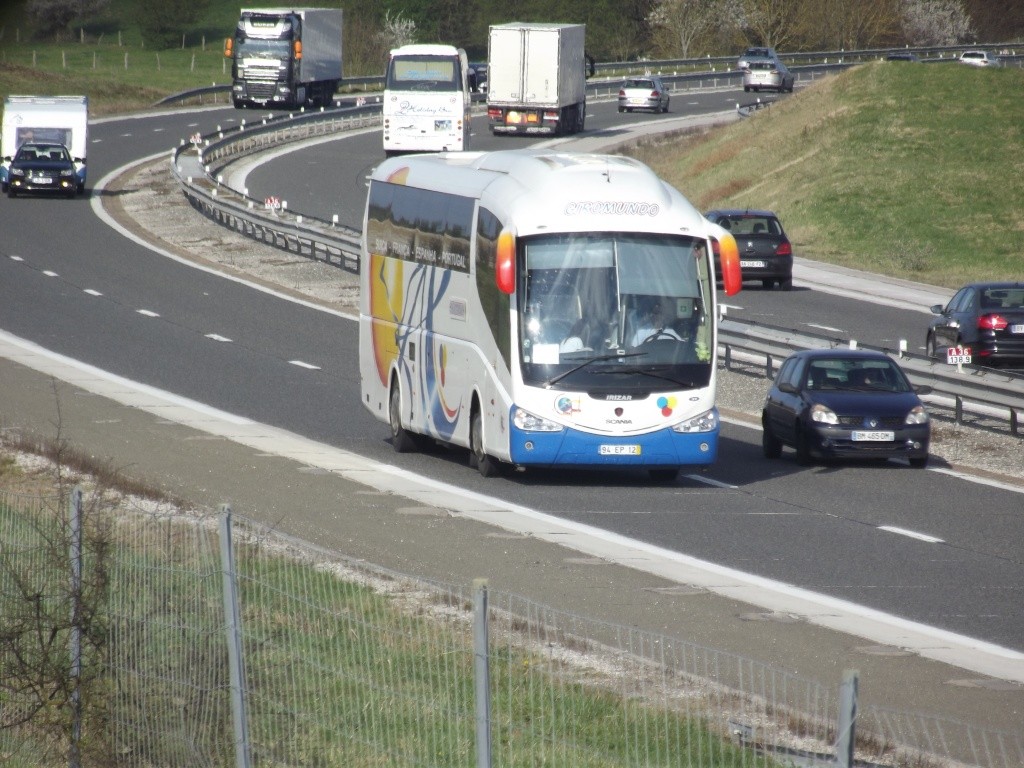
908, 170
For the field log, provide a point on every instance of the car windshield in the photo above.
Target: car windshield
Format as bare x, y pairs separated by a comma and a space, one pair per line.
645, 84
851, 374
42, 152
1002, 298
751, 224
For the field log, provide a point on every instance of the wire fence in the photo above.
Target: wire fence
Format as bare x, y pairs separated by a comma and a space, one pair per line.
206, 639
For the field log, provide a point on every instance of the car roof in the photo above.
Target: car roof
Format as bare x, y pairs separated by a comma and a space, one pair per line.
740, 212
985, 286
841, 352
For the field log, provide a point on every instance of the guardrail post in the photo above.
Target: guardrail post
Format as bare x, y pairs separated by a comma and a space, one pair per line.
959, 409
1013, 422
768, 366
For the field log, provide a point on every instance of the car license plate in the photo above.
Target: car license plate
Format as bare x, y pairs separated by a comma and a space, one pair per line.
752, 264
619, 450
873, 436
41, 180
1018, 328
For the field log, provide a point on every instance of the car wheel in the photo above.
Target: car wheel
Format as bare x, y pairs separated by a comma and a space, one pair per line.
486, 465
803, 447
401, 440
786, 284
12, 192
768, 284
665, 108
771, 446
919, 462
929, 346
622, 109
746, 89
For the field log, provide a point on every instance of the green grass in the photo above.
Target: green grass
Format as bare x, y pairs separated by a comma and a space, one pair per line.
911, 171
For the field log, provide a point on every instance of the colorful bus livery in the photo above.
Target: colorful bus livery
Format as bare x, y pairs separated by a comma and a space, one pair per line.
541, 308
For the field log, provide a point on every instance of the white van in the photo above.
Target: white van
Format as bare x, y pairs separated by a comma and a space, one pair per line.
59, 119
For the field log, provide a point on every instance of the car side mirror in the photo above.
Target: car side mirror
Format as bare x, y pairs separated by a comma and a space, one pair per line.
937, 309
80, 160
8, 158
788, 388
923, 389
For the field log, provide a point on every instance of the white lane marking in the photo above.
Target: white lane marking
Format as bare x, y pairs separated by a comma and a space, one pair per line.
308, 366
710, 481
217, 337
50, 273
16, 258
147, 312
824, 327
93, 292
158, 130
911, 534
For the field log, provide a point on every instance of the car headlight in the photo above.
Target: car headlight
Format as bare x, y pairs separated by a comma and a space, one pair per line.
917, 415
822, 414
529, 422
67, 173
705, 422
17, 171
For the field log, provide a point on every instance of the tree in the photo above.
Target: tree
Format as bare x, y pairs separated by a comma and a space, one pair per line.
935, 22
851, 25
53, 17
677, 24
774, 23
164, 22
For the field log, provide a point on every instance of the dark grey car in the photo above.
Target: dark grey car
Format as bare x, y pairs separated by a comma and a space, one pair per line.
765, 251
986, 317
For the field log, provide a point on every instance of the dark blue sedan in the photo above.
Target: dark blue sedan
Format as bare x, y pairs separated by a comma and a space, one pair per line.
843, 403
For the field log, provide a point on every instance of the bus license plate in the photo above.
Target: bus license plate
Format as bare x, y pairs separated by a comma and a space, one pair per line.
874, 436
619, 450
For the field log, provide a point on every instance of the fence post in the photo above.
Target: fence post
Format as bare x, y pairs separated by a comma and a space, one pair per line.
75, 641
233, 623
481, 674
847, 718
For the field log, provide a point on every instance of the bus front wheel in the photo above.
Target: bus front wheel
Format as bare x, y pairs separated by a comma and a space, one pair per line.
486, 465
401, 440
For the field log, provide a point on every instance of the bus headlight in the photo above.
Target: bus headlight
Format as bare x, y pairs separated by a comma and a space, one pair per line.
705, 422
529, 422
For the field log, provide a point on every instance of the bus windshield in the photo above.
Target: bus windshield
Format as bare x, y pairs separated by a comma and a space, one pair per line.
423, 73
611, 311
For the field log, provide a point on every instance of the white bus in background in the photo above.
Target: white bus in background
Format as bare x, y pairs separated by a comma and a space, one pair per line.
426, 100
501, 306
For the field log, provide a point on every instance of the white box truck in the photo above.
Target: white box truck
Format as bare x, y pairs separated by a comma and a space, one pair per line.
285, 57
536, 78
59, 119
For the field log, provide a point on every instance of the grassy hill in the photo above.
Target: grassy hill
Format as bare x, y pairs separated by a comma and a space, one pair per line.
910, 170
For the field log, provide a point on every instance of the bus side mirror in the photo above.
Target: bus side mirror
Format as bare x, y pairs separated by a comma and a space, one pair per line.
729, 264
505, 263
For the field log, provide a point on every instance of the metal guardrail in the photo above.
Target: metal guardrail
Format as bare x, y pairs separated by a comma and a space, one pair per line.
982, 390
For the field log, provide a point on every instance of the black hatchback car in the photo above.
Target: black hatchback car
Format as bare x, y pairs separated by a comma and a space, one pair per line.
986, 317
46, 168
765, 251
844, 403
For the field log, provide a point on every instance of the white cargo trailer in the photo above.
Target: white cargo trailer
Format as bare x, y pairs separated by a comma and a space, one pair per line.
536, 78
60, 119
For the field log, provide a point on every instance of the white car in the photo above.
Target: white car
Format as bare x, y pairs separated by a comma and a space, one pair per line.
979, 59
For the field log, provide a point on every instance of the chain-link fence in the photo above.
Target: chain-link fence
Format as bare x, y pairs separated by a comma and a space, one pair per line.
205, 639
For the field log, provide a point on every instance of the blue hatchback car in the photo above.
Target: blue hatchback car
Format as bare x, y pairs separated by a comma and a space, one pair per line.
842, 403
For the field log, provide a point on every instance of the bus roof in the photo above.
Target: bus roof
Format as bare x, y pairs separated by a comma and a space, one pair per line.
546, 190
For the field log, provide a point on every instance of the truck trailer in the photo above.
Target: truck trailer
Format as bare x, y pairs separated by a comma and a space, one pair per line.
285, 57
59, 119
536, 78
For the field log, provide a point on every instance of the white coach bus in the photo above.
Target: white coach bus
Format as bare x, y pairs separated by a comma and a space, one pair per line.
541, 309
426, 104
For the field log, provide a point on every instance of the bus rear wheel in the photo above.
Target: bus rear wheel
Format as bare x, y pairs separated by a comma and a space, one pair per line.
401, 440
486, 465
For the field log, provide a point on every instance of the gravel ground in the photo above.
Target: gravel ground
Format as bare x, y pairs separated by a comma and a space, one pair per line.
153, 208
